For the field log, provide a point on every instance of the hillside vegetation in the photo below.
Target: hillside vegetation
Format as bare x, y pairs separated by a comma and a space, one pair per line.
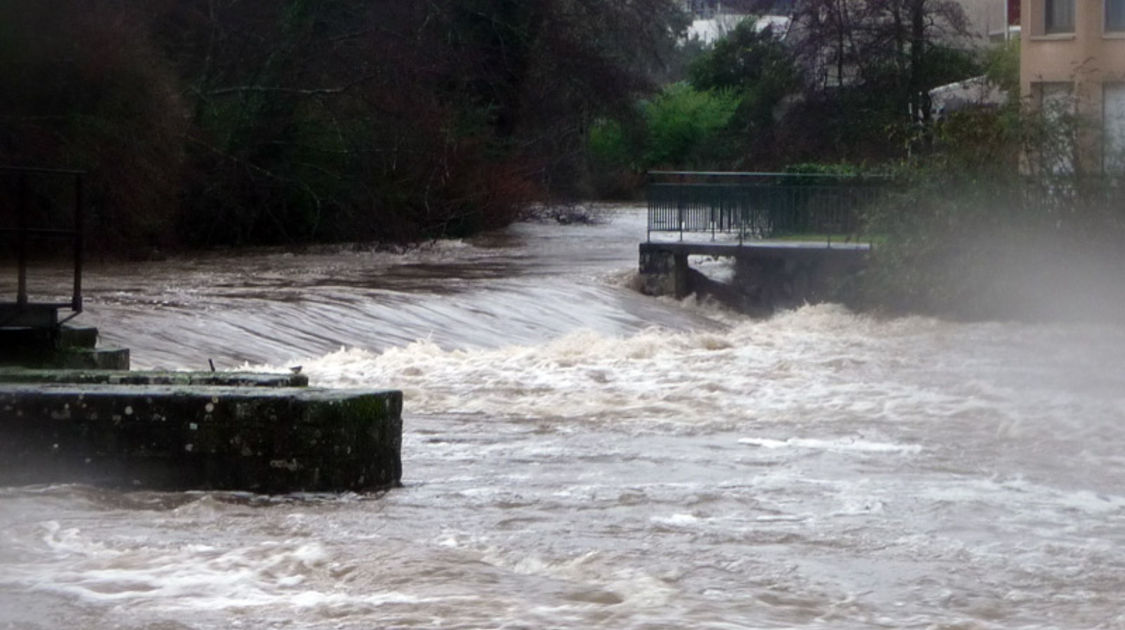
229, 122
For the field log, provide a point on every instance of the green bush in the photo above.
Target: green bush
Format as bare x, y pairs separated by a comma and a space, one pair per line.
684, 125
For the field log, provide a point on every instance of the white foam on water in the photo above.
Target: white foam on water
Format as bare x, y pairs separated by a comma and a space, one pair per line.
742, 372
192, 576
677, 520
817, 469
840, 445
268, 575
594, 577
719, 269
566, 467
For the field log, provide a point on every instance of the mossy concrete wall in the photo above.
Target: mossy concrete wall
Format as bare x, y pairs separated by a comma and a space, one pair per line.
200, 437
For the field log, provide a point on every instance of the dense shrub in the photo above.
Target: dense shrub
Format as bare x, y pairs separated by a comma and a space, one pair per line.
679, 128
683, 126
212, 122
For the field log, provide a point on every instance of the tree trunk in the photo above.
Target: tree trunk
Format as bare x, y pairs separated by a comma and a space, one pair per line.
918, 97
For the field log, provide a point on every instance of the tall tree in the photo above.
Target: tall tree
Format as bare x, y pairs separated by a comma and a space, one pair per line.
297, 120
82, 85
755, 64
880, 55
337, 118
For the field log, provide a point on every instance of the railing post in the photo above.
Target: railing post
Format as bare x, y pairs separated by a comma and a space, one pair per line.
79, 233
21, 242
742, 222
680, 214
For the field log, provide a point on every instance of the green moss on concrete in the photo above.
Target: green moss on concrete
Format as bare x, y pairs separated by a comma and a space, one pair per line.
178, 437
91, 358
124, 377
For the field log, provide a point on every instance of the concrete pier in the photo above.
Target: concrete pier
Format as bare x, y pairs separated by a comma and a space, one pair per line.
767, 274
188, 436
664, 270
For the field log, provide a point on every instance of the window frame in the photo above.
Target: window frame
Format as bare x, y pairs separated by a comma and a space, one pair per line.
1111, 9
1051, 13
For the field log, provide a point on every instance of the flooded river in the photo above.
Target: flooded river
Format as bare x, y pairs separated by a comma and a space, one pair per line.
577, 455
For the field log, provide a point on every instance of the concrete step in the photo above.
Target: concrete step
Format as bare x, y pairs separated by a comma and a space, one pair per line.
23, 344
65, 347
77, 336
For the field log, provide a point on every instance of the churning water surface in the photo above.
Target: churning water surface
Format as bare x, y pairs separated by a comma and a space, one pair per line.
579, 456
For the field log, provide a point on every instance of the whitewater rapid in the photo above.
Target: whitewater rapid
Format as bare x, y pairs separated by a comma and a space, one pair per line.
579, 456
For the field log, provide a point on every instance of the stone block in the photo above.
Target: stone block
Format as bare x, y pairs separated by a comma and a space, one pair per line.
77, 337
663, 271
92, 359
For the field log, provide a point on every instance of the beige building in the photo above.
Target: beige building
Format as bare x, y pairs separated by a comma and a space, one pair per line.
1072, 59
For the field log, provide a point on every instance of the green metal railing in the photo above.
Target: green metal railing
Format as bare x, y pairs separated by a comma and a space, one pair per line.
759, 205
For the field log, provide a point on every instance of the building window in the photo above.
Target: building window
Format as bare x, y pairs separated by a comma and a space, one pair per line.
1113, 128
1115, 15
1059, 16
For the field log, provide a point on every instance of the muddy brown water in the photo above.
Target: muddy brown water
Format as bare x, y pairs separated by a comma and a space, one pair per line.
580, 456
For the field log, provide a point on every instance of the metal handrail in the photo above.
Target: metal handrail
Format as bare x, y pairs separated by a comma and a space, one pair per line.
758, 205
23, 231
